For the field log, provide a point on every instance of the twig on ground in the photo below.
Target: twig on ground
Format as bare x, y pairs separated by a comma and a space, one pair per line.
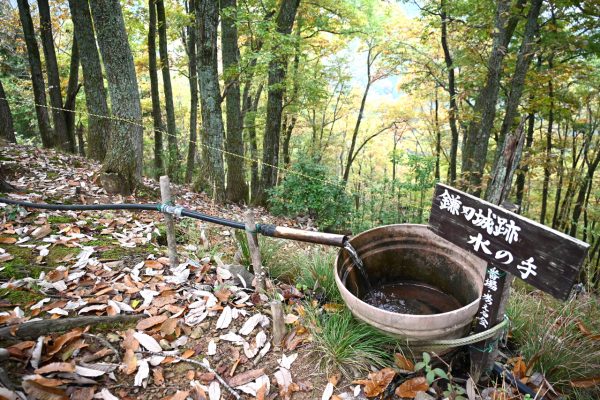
104, 342
231, 390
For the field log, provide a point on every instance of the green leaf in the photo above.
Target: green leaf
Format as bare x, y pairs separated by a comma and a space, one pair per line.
419, 365
441, 373
426, 358
430, 377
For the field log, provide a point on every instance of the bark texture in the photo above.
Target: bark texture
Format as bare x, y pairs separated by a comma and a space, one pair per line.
37, 78
277, 69
154, 93
193, 78
453, 110
72, 90
173, 151
99, 124
7, 130
61, 136
212, 176
237, 190
478, 133
123, 162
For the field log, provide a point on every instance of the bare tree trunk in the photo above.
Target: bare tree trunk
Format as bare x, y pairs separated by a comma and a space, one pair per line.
251, 121
561, 173
546, 183
99, 124
80, 139
61, 137
212, 177
7, 130
438, 141
524, 58
173, 150
72, 90
478, 133
123, 163
453, 110
277, 70
237, 190
523, 169
350, 157
154, 93
193, 74
37, 77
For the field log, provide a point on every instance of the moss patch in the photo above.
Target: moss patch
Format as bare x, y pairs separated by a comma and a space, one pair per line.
101, 241
18, 296
120, 252
60, 219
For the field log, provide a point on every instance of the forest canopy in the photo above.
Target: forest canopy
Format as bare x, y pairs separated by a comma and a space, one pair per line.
344, 112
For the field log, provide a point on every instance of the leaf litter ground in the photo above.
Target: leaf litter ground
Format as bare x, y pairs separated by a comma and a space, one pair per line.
61, 265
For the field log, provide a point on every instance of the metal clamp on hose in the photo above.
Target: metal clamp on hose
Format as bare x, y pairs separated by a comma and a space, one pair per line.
171, 209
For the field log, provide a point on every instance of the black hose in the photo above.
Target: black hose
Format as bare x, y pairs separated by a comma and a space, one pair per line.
145, 207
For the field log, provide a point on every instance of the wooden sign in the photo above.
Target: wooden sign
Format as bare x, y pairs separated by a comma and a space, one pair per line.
543, 257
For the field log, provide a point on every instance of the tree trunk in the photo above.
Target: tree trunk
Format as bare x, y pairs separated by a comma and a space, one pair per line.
173, 151
212, 177
524, 58
72, 90
251, 123
99, 123
358, 121
523, 169
478, 133
193, 74
285, 151
80, 139
453, 110
61, 136
546, 183
561, 173
123, 162
237, 190
277, 69
438, 141
7, 130
37, 77
154, 93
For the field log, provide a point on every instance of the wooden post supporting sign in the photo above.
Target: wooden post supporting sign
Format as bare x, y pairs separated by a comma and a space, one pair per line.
511, 244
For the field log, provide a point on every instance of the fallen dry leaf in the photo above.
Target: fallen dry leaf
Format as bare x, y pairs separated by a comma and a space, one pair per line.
403, 362
409, 388
147, 323
56, 367
60, 341
377, 381
520, 368
585, 383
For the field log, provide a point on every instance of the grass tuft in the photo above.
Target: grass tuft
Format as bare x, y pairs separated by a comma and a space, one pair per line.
548, 334
341, 343
316, 273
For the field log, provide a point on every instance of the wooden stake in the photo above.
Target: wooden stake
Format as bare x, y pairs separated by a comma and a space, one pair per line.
278, 323
165, 195
254, 250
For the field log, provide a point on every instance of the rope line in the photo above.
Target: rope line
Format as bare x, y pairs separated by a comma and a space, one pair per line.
200, 143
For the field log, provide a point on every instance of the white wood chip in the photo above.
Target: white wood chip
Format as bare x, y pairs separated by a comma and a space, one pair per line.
147, 341
232, 337
214, 391
251, 323
88, 372
58, 311
327, 392
225, 319
212, 348
36, 354
142, 373
286, 361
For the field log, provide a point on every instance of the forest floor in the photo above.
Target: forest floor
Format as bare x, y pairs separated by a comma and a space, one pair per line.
198, 330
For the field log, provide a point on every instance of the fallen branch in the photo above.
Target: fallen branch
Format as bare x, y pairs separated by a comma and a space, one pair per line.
198, 363
35, 329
